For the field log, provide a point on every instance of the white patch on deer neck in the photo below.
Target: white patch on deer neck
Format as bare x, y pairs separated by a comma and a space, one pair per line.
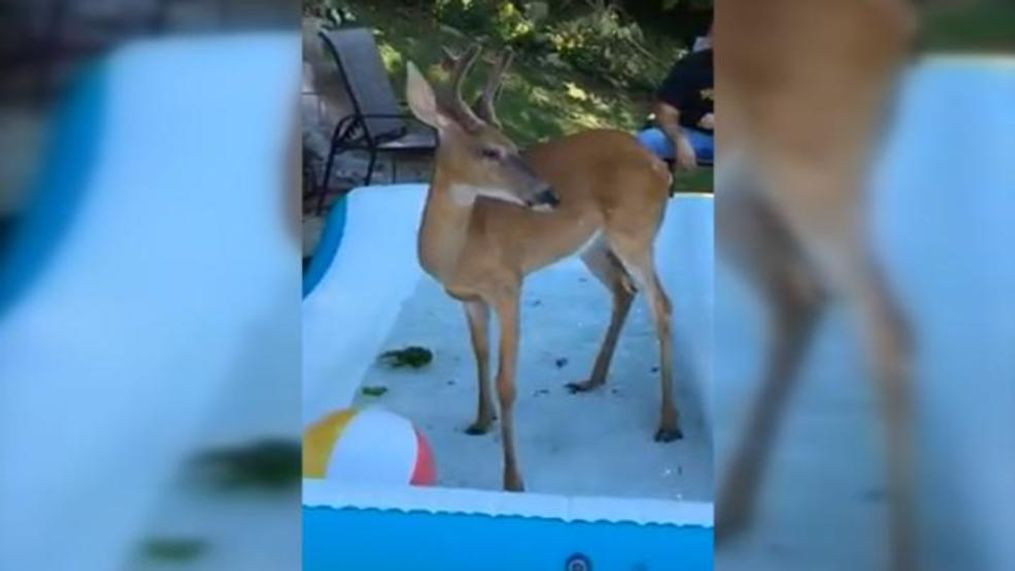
465, 194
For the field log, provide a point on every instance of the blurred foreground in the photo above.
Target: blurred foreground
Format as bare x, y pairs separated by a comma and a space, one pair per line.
150, 303
866, 422
149, 287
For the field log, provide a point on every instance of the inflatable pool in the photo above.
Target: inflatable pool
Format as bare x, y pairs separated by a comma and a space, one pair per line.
366, 294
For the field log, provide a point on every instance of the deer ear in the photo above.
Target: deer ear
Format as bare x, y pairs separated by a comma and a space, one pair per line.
421, 99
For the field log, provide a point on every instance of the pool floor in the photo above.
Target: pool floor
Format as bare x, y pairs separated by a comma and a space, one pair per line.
590, 444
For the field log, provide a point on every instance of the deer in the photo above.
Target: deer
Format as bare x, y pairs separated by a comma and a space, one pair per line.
495, 213
804, 87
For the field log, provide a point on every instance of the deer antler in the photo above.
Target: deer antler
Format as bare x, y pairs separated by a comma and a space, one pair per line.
450, 59
485, 106
459, 66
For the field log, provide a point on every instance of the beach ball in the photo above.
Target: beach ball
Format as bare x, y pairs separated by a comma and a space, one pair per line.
367, 446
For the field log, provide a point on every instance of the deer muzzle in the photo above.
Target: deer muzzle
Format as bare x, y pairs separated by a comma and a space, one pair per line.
545, 200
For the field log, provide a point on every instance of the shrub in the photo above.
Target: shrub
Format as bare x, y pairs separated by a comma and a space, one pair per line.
603, 42
332, 13
593, 36
500, 20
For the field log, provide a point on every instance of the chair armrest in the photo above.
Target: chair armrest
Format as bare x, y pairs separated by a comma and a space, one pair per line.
406, 116
387, 116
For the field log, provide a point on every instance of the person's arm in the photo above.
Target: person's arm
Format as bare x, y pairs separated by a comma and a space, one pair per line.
668, 119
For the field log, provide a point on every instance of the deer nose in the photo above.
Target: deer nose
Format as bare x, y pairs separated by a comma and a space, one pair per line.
546, 198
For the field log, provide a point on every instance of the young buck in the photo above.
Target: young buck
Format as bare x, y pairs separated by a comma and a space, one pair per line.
804, 86
494, 214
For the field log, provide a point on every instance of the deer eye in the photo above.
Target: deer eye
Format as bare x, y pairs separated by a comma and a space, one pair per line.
491, 153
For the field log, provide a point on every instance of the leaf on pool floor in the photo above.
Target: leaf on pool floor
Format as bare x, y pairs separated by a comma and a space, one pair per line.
374, 391
414, 356
264, 464
179, 549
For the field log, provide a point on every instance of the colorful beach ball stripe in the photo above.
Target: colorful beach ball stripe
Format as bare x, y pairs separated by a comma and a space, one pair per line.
370, 446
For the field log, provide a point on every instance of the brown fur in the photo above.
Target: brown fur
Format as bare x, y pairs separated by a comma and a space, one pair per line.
612, 195
803, 86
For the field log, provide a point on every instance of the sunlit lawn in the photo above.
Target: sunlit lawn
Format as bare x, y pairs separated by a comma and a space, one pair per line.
539, 100
698, 181
543, 99
982, 26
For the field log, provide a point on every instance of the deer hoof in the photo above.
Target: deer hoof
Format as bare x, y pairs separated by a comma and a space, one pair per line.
513, 485
478, 428
668, 434
583, 387
732, 521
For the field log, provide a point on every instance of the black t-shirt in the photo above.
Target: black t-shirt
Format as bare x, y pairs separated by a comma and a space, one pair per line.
690, 87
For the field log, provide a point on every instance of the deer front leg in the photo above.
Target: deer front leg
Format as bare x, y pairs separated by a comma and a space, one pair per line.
478, 314
507, 316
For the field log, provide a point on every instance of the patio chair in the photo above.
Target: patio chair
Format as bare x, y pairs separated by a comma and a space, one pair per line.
377, 123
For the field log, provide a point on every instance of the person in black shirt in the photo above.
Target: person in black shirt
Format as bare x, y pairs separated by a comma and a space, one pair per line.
685, 112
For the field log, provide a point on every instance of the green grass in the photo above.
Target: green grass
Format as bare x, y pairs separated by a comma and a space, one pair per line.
541, 99
698, 181
981, 26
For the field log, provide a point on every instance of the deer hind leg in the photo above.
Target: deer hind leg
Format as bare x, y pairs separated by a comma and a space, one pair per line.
607, 268
478, 314
635, 253
888, 344
506, 306
762, 249
829, 225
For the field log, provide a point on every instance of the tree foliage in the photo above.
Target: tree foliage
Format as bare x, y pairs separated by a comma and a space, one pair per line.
629, 44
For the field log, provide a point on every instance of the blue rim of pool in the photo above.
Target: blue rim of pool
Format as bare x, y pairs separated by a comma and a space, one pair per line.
70, 154
380, 539
327, 247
